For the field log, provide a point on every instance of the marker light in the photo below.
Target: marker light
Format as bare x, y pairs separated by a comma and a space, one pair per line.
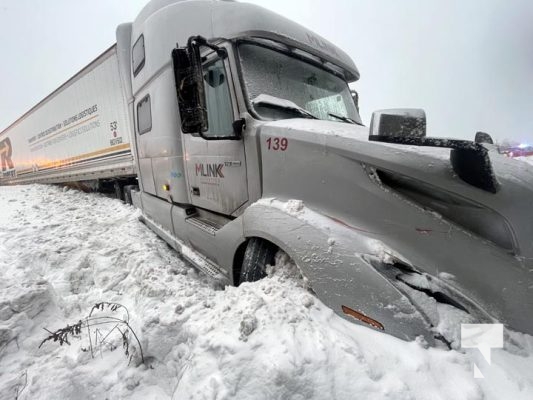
166, 187
363, 318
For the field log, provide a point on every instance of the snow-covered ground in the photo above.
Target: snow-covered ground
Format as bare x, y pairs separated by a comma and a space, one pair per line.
529, 159
62, 251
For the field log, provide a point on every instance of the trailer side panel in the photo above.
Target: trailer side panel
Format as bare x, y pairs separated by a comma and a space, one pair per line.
79, 132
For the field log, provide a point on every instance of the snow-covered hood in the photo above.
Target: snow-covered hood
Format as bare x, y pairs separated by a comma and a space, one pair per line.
410, 199
430, 165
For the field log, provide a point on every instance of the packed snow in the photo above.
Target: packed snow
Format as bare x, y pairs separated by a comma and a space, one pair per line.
63, 251
528, 159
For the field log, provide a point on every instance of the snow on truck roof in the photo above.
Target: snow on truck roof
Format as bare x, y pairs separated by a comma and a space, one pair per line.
231, 19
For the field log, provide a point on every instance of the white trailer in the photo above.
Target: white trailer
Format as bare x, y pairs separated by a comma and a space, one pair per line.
79, 132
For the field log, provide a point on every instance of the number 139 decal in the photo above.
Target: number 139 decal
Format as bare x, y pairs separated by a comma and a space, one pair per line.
277, 144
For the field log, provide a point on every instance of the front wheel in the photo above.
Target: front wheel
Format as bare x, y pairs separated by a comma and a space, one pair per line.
258, 254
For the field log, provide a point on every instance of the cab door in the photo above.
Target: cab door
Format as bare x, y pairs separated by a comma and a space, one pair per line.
216, 168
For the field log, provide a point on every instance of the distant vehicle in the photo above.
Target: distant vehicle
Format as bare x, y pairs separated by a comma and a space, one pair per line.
522, 150
235, 132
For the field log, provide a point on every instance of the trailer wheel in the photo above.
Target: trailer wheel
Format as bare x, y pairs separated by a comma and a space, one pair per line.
258, 254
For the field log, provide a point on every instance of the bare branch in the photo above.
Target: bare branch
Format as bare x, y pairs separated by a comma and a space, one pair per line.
62, 335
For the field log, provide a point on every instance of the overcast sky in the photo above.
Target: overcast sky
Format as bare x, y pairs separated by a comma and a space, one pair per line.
468, 63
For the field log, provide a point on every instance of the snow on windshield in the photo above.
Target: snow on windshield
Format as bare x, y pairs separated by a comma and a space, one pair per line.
62, 251
316, 90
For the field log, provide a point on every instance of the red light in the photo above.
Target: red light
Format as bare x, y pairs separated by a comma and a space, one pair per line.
363, 318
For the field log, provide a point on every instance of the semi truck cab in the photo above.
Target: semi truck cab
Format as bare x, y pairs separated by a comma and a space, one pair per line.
207, 166
199, 158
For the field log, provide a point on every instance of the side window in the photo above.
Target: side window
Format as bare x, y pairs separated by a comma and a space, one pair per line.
137, 55
218, 100
144, 115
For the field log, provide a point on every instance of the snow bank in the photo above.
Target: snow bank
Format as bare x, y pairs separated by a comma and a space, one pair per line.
62, 251
528, 159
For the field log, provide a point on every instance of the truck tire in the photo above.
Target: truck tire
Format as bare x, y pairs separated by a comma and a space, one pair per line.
258, 254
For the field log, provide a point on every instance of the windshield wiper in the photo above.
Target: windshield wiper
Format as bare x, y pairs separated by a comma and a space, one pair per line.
284, 104
345, 119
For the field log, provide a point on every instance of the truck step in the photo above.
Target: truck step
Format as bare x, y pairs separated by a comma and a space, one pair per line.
199, 261
205, 224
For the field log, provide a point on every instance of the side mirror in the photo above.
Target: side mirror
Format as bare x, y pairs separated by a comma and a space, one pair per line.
401, 122
482, 137
190, 88
469, 160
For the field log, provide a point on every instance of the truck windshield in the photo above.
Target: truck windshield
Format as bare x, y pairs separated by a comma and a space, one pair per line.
272, 74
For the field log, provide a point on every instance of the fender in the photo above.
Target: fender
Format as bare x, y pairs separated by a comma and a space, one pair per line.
333, 259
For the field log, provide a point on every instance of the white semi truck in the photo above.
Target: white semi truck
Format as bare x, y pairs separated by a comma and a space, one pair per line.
235, 132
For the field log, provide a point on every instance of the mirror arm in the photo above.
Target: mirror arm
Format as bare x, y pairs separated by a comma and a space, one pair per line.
201, 41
